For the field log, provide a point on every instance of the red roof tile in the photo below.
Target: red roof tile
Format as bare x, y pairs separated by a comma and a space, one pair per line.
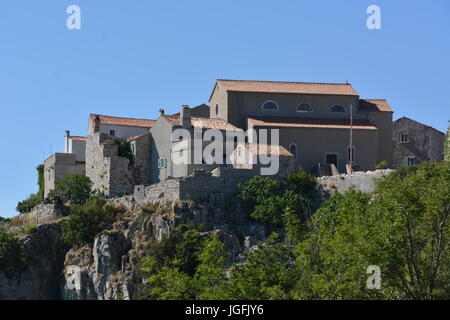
263, 149
130, 122
287, 87
374, 105
131, 139
294, 122
77, 138
206, 123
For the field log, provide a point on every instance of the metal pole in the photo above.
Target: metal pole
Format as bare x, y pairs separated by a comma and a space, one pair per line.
351, 138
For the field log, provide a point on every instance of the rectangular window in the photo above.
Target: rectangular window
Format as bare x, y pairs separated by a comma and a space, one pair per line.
112, 133
410, 161
162, 163
404, 137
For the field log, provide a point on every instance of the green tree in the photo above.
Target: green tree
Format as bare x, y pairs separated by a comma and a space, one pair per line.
403, 227
86, 221
447, 145
75, 188
267, 275
170, 284
210, 276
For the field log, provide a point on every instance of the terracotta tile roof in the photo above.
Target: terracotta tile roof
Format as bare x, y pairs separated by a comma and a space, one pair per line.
287, 87
207, 123
294, 122
374, 105
130, 122
131, 139
263, 149
77, 138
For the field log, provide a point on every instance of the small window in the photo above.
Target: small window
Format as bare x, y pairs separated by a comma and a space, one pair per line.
112, 133
351, 153
162, 163
217, 109
410, 161
304, 107
293, 149
270, 105
337, 108
404, 137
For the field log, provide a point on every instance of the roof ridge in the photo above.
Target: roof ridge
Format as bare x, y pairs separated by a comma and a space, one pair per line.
104, 115
279, 81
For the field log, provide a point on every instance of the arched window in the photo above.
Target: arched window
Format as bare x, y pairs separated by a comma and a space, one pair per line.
337, 108
304, 107
293, 149
351, 151
270, 106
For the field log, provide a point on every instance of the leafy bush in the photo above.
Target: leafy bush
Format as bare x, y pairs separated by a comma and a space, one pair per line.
27, 205
301, 183
12, 254
76, 189
30, 229
124, 150
179, 249
382, 165
86, 221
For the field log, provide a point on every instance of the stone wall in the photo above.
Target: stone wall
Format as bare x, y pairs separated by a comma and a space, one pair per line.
362, 181
202, 185
43, 213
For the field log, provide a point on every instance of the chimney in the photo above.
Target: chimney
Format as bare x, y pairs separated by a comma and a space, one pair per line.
66, 142
97, 123
185, 116
161, 112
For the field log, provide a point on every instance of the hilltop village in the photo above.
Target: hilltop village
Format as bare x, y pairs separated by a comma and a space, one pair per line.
324, 128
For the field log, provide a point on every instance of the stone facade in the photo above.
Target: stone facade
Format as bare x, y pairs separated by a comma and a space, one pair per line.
111, 174
414, 143
58, 166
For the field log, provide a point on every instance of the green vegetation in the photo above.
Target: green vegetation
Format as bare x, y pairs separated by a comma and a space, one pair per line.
403, 227
382, 165
33, 200
124, 150
12, 254
74, 188
447, 145
30, 229
87, 220
270, 200
27, 205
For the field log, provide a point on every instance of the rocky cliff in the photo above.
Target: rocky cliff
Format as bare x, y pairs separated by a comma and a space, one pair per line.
108, 268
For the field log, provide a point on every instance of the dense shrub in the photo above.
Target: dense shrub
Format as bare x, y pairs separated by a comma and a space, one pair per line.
76, 189
86, 221
12, 253
27, 205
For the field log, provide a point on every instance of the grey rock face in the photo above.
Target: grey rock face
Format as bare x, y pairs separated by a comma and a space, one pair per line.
42, 275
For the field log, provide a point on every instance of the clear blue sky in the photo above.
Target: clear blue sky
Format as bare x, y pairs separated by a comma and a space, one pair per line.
133, 57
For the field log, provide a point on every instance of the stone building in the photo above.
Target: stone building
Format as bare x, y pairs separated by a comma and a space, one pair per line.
314, 122
313, 119
414, 143
58, 166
